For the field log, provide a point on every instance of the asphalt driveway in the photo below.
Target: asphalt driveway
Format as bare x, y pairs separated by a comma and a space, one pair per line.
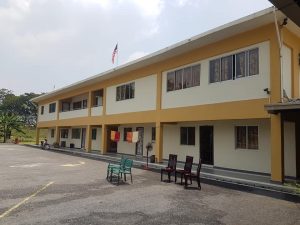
41, 187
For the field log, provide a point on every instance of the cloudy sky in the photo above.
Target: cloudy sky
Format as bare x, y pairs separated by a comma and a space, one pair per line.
47, 43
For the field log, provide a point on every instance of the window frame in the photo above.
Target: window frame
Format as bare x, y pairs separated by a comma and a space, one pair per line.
42, 110
153, 134
52, 133
75, 135
247, 137
125, 91
64, 133
52, 107
94, 133
186, 131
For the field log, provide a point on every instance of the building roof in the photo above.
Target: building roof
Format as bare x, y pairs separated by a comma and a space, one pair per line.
291, 8
284, 106
244, 24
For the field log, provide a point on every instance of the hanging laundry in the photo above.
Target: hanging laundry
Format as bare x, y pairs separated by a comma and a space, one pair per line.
129, 137
115, 136
112, 135
135, 136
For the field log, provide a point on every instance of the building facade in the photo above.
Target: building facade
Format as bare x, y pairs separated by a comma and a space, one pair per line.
205, 97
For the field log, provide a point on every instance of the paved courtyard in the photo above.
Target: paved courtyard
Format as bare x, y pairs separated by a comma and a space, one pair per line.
41, 187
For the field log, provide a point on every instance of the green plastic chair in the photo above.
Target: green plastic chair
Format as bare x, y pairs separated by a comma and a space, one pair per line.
112, 165
122, 170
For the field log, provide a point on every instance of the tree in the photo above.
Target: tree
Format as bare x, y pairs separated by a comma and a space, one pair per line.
8, 123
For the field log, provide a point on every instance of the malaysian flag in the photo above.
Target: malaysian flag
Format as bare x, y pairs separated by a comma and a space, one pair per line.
114, 54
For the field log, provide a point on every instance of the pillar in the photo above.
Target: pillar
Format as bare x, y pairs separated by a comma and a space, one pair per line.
56, 135
277, 160
88, 139
90, 100
159, 142
104, 138
37, 136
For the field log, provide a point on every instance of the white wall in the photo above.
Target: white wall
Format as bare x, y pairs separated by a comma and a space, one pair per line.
69, 140
97, 111
47, 116
129, 148
144, 97
73, 114
96, 144
225, 154
246, 88
50, 139
287, 70
289, 149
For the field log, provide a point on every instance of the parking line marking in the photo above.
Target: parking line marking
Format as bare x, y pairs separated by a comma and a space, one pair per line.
25, 200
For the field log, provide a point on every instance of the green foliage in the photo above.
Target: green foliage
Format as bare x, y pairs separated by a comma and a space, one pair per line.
8, 123
19, 105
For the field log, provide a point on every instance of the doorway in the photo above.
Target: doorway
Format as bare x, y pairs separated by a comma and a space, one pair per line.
83, 134
207, 144
112, 146
140, 143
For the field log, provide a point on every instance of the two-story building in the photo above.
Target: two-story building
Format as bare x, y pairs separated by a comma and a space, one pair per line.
211, 96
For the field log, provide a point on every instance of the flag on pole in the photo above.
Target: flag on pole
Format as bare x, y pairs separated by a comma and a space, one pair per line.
114, 54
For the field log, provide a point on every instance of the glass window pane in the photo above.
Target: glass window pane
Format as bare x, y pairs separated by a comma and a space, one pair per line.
214, 71
132, 90
187, 77
171, 81
183, 135
253, 137
178, 79
253, 62
123, 92
127, 91
191, 135
240, 137
226, 68
240, 65
118, 94
94, 134
196, 75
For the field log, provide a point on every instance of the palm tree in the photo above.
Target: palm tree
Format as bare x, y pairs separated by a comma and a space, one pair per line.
8, 123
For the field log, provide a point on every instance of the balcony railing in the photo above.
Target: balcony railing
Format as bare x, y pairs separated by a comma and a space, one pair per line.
97, 110
73, 114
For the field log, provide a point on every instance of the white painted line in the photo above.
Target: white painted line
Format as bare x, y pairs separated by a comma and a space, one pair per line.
73, 165
24, 201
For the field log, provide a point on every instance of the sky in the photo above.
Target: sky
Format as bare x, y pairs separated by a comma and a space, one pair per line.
48, 44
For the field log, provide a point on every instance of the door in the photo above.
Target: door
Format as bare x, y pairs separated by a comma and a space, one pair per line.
83, 133
140, 143
112, 146
207, 144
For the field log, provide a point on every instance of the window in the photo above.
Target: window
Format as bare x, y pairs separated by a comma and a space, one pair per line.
214, 70
64, 133
226, 69
76, 105
153, 134
246, 137
52, 133
84, 103
65, 106
234, 66
187, 135
76, 133
52, 107
94, 134
125, 133
183, 78
253, 62
42, 110
125, 91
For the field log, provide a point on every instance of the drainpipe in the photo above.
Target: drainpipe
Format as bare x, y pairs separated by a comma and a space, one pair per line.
279, 39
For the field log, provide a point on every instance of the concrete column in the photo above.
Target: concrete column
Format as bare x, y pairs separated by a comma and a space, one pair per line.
57, 135
277, 160
37, 136
90, 100
104, 139
88, 138
159, 142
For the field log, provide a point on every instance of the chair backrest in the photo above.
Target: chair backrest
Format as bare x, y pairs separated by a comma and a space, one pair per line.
122, 161
172, 161
188, 164
199, 168
128, 164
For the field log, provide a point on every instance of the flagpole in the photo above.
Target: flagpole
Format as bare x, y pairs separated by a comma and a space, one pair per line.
118, 55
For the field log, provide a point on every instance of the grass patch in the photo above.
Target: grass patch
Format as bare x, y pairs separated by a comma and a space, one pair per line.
28, 137
293, 184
